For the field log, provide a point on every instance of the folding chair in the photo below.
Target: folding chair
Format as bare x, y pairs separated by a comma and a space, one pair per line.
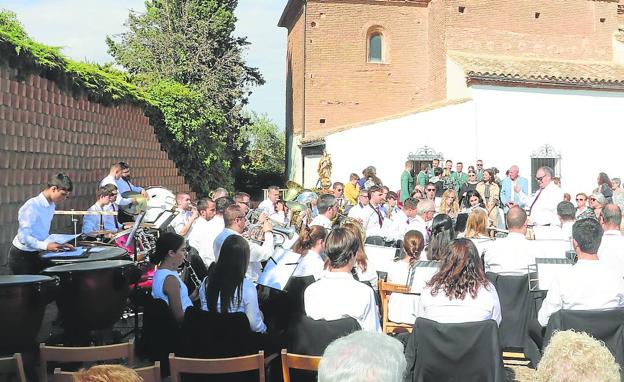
298, 361
14, 367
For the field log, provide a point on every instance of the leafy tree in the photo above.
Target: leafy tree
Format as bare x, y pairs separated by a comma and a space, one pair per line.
187, 47
264, 147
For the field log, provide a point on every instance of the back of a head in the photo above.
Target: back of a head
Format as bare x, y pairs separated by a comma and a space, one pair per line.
477, 223
442, 233
566, 211
107, 373
222, 203
588, 235
340, 246
363, 356
612, 215
231, 213
167, 241
413, 244
410, 203
516, 218
572, 357
308, 237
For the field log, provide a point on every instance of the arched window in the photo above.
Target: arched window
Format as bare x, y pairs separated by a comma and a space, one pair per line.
375, 48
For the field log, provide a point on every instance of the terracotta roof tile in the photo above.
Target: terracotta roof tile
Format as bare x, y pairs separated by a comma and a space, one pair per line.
585, 74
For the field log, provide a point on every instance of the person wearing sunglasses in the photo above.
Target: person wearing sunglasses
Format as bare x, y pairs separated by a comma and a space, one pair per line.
582, 209
596, 202
543, 204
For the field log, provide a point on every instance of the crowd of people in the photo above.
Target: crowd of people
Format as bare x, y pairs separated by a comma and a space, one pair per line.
466, 223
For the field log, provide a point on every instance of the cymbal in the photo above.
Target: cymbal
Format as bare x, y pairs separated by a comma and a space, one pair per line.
100, 232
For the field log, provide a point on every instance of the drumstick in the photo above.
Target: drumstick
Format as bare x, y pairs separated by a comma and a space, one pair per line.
85, 212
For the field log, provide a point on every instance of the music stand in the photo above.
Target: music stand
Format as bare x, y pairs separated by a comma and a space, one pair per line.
547, 269
131, 240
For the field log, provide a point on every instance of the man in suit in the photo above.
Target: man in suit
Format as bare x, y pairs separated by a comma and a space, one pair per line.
512, 187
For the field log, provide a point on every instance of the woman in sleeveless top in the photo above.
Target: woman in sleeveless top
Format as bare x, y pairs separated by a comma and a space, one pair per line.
167, 284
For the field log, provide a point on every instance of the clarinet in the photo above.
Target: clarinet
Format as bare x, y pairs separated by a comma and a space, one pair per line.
192, 274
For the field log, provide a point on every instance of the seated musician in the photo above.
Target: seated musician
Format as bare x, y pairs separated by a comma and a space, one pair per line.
513, 254
35, 218
310, 245
235, 222
106, 197
187, 214
114, 178
167, 285
401, 307
199, 237
402, 220
269, 205
590, 284
327, 208
227, 289
124, 184
459, 291
337, 294
442, 233
364, 271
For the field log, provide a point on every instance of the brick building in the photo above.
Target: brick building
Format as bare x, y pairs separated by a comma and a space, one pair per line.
498, 80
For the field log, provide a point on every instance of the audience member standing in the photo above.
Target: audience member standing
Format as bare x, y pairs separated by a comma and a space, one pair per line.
407, 181
582, 210
511, 188
605, 187
611, 251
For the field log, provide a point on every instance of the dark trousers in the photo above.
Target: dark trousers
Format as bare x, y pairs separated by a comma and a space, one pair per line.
25, 262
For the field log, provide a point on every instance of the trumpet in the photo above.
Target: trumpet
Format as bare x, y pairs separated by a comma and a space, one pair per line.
255, 233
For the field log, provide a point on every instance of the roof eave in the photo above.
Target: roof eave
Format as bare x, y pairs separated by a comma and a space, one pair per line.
479, 79
288, 10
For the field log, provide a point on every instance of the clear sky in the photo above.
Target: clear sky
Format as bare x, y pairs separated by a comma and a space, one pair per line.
80, 27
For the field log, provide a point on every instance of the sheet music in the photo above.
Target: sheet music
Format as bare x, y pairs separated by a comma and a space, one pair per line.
76, 252
60, 238
97, 249
423, 272
162, 218
381, 258
279, 268
548, 271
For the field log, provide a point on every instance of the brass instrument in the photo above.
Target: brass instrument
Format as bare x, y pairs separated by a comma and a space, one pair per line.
294, 189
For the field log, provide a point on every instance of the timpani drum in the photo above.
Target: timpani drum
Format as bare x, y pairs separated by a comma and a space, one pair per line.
94, 253
23, 299
92, 295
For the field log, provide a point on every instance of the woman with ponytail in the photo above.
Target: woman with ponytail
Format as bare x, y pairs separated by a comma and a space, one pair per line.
402, 307
310, 245
442, 233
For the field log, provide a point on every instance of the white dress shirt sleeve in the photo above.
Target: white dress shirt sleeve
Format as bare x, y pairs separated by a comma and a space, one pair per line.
252, 309
261, 253
496, 309
551, 304
27, 218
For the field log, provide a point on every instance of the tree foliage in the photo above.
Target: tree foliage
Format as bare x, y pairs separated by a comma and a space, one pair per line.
187, 47
265, 148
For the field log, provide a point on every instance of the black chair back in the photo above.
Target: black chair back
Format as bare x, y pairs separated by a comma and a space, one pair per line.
604, 325
295, 289
160, 333
515, 302
468, 351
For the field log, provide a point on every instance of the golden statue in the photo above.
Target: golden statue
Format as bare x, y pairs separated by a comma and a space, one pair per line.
324, 170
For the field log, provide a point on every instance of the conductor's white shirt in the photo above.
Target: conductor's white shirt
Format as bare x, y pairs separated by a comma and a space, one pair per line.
543, 205
440, 308
337, 295
587, 285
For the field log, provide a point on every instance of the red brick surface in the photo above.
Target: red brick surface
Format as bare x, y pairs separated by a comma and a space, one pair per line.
44, 130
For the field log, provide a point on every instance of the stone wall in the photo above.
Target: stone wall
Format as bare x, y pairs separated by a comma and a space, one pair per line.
45, 130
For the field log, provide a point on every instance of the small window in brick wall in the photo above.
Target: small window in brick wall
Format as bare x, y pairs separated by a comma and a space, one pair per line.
375, 47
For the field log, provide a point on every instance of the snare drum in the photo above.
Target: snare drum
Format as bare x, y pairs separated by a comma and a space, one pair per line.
160, 199
92, 295
23, 299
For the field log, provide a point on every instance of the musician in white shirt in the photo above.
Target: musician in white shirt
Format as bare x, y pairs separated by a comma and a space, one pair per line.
445, 299
337, 294
543, 205
589, 284
114, 177
611, 251
328, 209
199, 236
310, 245
513, 254
402, 307
372, 215
269, 205
424, 215
105, 199
228, 289
235, 220
403, 220
187, 214
357, 212
35, 218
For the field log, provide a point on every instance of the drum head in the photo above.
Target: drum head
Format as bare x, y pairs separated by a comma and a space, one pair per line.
23, 279
90, 266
